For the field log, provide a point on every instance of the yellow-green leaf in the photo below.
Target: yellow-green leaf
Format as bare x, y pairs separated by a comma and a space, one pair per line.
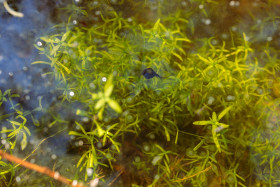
224, 112
202, 122
166, 133
109, 90
177, 55
99, 104
23, 142
114, 105
41, 62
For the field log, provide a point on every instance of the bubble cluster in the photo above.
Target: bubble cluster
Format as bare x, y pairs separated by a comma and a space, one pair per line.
230, 98
211, 99
234, 3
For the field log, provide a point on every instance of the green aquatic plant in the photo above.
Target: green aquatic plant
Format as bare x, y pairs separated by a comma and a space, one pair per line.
208, 121
90, 62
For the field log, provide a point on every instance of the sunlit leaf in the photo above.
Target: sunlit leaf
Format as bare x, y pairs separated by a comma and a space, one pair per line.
114, 105
99, 104
224, 112
23, 142
202, 122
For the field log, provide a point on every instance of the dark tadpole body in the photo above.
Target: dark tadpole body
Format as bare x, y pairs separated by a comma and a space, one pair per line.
149, 73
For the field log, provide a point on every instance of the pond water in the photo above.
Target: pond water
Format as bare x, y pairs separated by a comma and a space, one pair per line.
86, 97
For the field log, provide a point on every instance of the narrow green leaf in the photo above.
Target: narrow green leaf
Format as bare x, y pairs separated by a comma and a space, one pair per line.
108, 90
202, 122
203, 59
166, 133
108, 86
23, 142
221, 115
215, 138
99, 104
41, 62
114, 105
177, 55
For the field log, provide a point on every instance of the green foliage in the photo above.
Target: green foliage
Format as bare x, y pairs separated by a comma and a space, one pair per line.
203, 124
102, 65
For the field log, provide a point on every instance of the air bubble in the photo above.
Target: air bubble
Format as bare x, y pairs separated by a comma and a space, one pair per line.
207, 21
94, 183
18, 179
56, 175
210, 100
230, 98
269, 39
75, 22
137, 159
129, 19
108, 155
156, 177
85, 119
99, 145
71, 93
104, 79
214, 42
3, 142
25, 68
231, 3
89, 171
92, 85
146, 148
39, 44
80, 143
184, 3
11, 74
152, 136
53, 156
201, 6
97, 12
234, 28
75, 183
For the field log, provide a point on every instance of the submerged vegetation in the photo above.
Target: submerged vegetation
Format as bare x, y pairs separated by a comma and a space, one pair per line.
211, 120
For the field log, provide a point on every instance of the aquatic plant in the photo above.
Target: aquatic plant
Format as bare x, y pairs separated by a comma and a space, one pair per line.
209, 121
